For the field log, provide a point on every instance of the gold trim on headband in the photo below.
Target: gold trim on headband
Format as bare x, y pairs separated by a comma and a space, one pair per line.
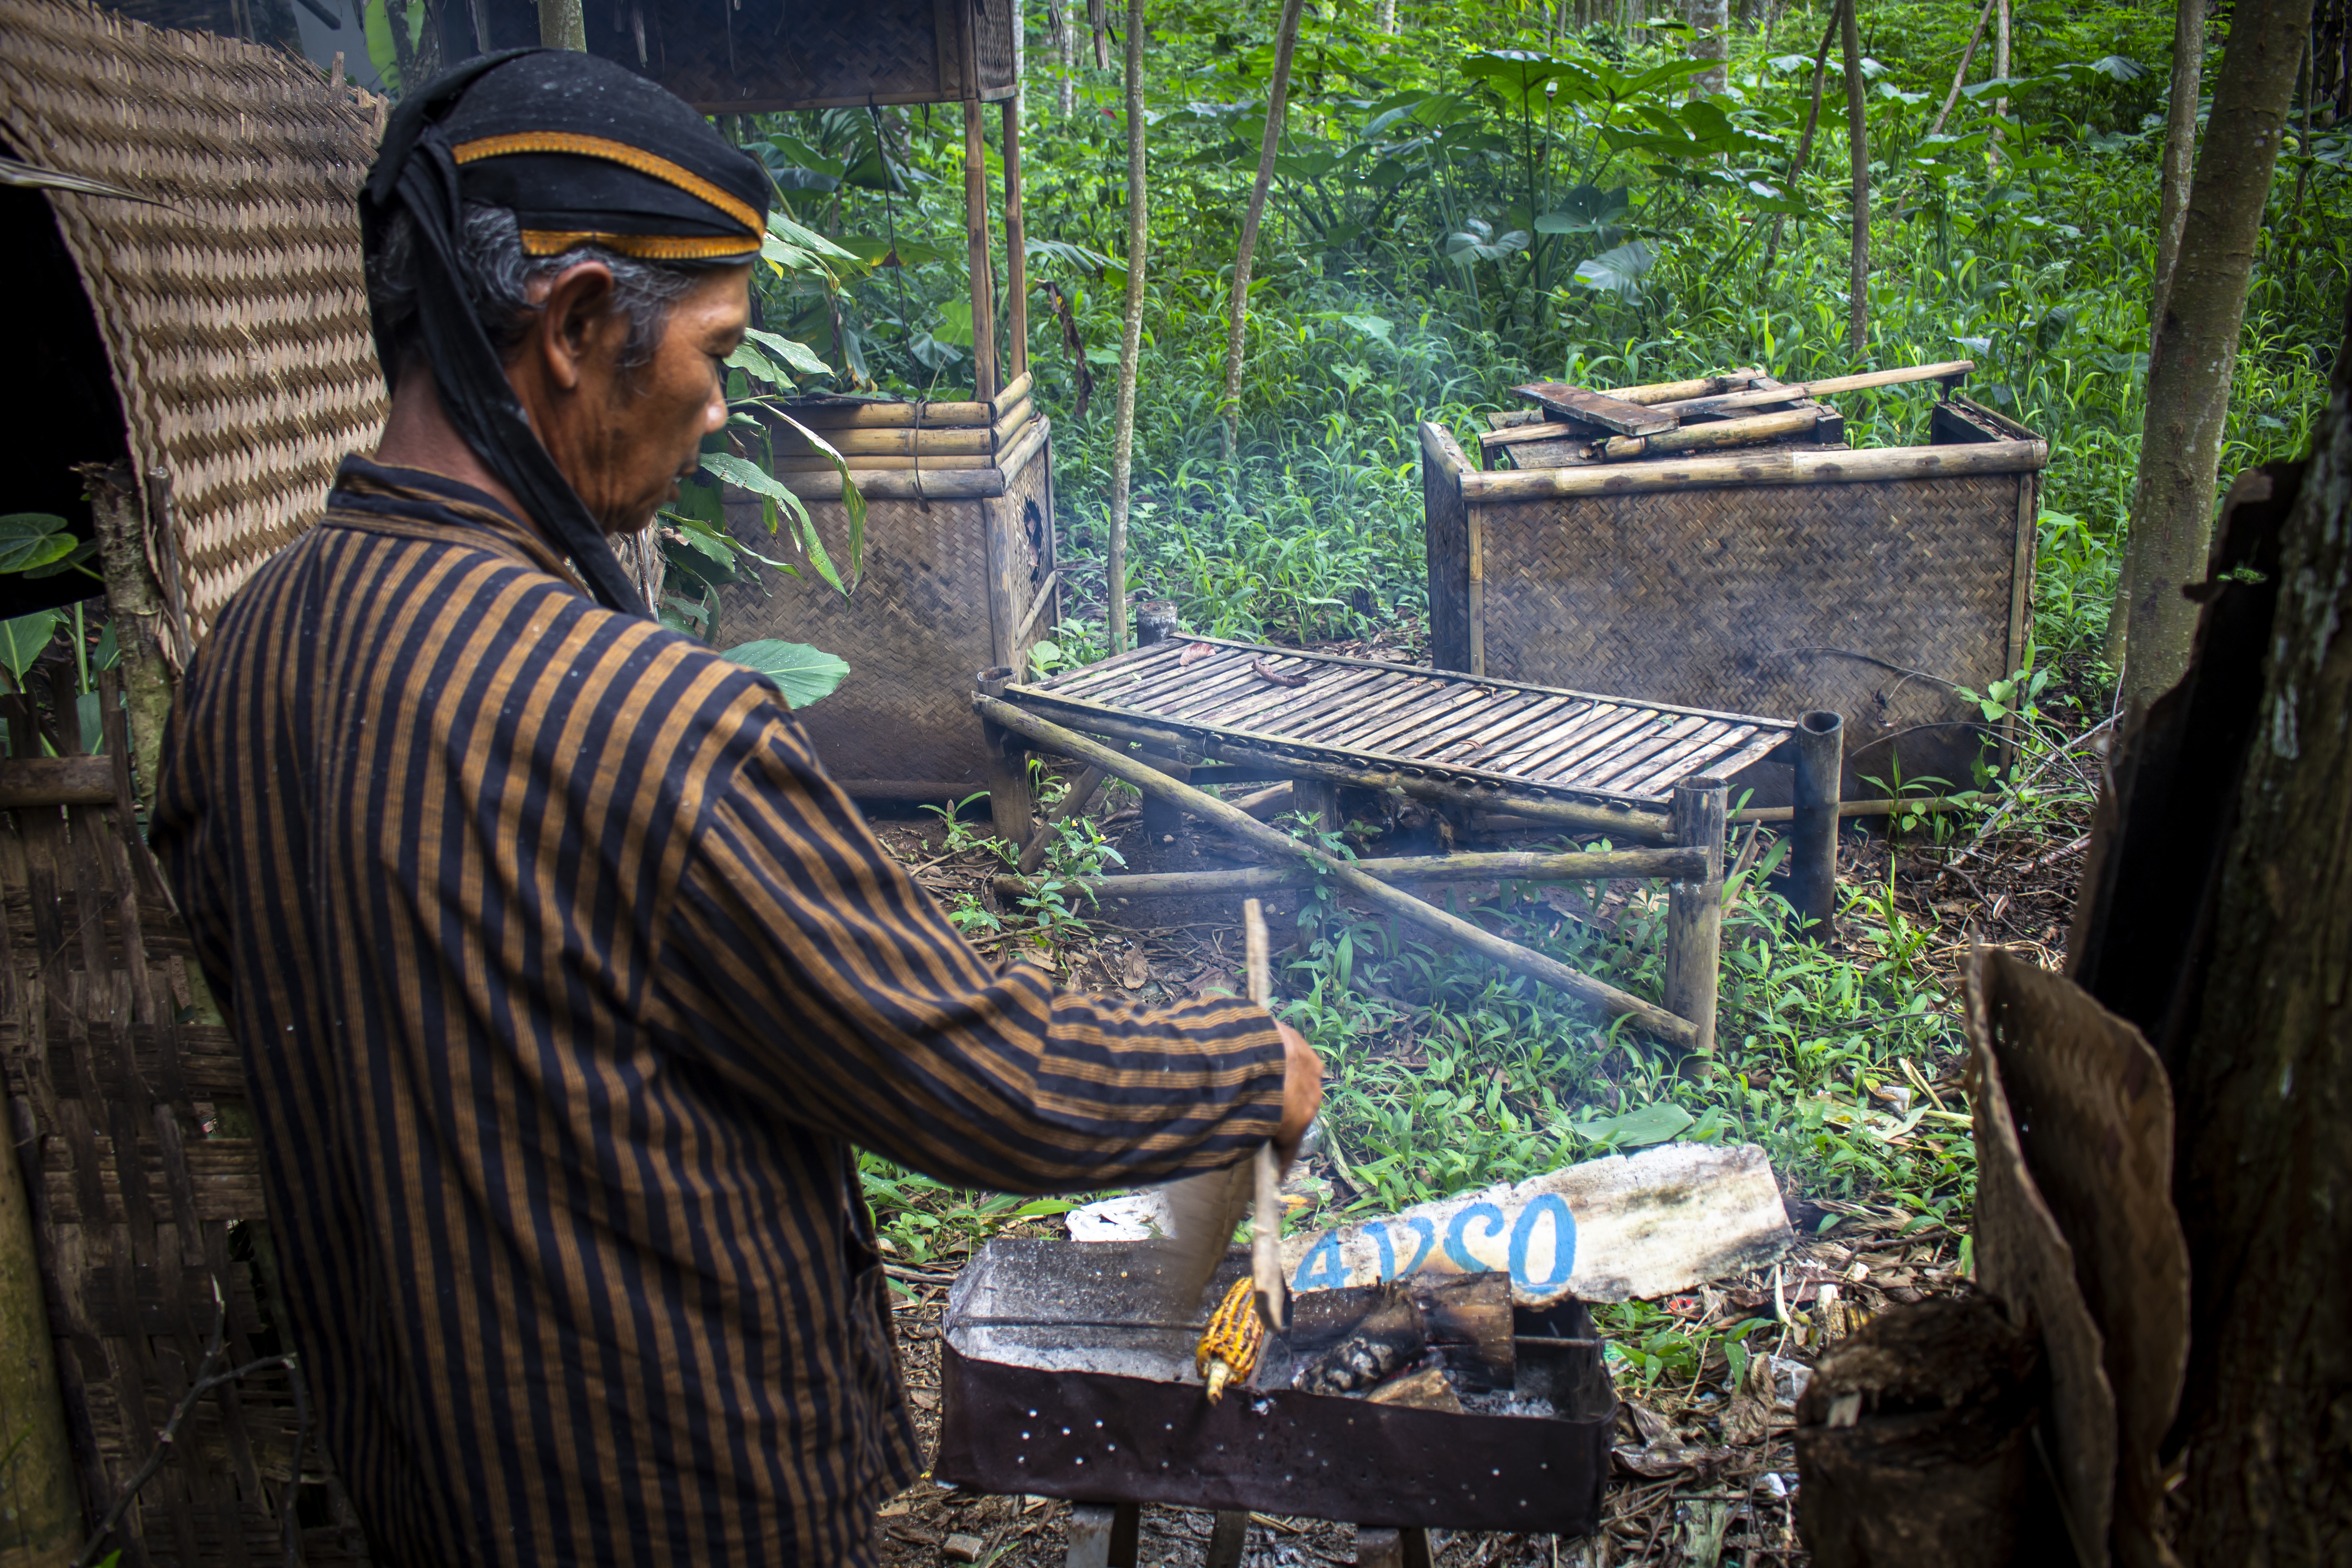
643, 246
621, 152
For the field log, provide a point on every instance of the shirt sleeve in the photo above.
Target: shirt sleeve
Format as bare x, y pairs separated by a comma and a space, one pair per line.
809, 969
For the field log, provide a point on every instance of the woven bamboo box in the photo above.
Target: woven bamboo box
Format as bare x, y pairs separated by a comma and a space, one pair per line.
960, 576
1875, 583
762, 54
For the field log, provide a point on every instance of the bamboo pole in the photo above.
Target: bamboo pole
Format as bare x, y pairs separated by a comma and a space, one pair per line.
44, 1517
1785, 468
1858, 136
56, 780
893, 415
1016, 239
1131, 337
1670, 391
924, 484
1759, 396
1813, 822
1920, 805
975, 227
970, 441
1707, 438
812, 462
1669, 863
1695, 908
1285, 40
1510, 955
1081, 794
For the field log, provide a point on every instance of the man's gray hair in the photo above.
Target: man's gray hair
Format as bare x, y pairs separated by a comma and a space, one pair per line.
498, 278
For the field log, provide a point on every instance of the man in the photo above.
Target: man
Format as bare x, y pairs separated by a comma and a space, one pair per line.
565, 979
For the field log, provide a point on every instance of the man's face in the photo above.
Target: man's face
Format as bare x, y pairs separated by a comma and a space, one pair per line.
623, 434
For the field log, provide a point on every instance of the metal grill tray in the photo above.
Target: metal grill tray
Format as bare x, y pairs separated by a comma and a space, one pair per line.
1573, 745
1058, 1382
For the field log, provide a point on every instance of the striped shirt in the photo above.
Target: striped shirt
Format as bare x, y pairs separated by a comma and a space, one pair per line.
565, 981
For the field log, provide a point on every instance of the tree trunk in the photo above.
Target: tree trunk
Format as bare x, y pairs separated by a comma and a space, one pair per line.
2000, 67
1277, 100
1710, 20
1857, 139
2193, 350
1065, 50
2264, 1179
561, 26
1805, 143
1131, 337
2180, 146
1387, 16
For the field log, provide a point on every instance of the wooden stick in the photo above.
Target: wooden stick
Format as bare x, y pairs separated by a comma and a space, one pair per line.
1961, 77
56, 780
1670, 391
1695, 908
1548, 430
1015, 455
1484, 488
1380, 895
975, 227
1670, 864
1757, 397
1924, 805
1016, 258
1708, 437
860, 462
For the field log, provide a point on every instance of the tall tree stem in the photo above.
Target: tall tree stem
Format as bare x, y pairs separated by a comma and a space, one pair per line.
1961, 77
1805, 143
1131, 336
1277, 100
1857, 137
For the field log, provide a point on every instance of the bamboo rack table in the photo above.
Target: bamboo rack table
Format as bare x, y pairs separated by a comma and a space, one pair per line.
1207, 710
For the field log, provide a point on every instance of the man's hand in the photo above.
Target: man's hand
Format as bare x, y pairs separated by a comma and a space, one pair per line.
1302, 1091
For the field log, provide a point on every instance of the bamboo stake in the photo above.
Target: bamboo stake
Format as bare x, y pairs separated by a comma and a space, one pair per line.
1706, 438
1510, 955
1670, 864
1285, 40
1756, 397
1131, 336
975, 228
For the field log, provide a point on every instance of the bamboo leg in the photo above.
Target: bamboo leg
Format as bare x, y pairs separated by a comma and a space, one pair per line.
1813, 830
1227, 1538
1016, 260
1694, 909
1011, 804
1104, 1535
1391, 1547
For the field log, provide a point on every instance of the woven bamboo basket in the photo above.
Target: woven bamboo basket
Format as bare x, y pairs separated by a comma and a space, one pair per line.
1875, 583
233, 312
960, 576
790, 54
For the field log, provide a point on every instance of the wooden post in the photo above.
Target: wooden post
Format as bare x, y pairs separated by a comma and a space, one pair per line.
975, 229
1814, 831
1104, 1535
1391, 1547
1319, 800
1694, 909
138, 608
43, 1523
1227, 1538
1016, 258
1011, 802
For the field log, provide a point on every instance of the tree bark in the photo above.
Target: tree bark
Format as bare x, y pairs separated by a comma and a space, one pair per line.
1710, 20
2193, 350
1857, 139
2180, 146
561, 26
1387, 16
1277, 100
1131, 336
2264, 1179
2000, 67
1805, 143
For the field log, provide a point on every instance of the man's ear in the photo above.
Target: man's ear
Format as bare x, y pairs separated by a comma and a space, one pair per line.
576, 322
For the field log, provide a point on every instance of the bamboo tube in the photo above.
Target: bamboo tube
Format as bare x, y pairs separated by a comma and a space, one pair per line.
1923, 804
1015, 455
44, 1514
1403, 906
1695, 908
983, 286
1009, 424
1548, 430
1708, 437
1673, 863
925, 483
893, 415
1485, 488
892, 443
1016, 390
863, 462
1016, 259
1759, 396
56, 780
1670, 391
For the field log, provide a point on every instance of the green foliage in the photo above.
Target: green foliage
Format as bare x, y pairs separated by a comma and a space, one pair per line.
41, 544
804, 674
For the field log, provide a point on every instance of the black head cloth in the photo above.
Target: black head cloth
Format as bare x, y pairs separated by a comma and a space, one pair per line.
584, 153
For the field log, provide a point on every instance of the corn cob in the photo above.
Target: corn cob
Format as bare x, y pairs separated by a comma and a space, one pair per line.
1229, 1348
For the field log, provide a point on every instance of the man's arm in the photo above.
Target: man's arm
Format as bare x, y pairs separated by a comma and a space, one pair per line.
814, 974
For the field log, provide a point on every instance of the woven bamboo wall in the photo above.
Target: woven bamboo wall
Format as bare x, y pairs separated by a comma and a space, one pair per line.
796, 54
122, 1113
914, 634
235, 315
1868, 598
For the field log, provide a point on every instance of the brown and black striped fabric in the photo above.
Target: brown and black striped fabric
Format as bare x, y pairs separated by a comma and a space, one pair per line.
566, 981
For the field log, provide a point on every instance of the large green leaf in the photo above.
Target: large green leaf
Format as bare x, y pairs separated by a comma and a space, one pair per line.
22, 639
804, 674
33, 539
789, 351
1638, 1129
1619, 271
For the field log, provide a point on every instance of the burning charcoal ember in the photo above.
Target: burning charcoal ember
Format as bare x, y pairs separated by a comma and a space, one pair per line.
1423, 1388
1390, 1337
